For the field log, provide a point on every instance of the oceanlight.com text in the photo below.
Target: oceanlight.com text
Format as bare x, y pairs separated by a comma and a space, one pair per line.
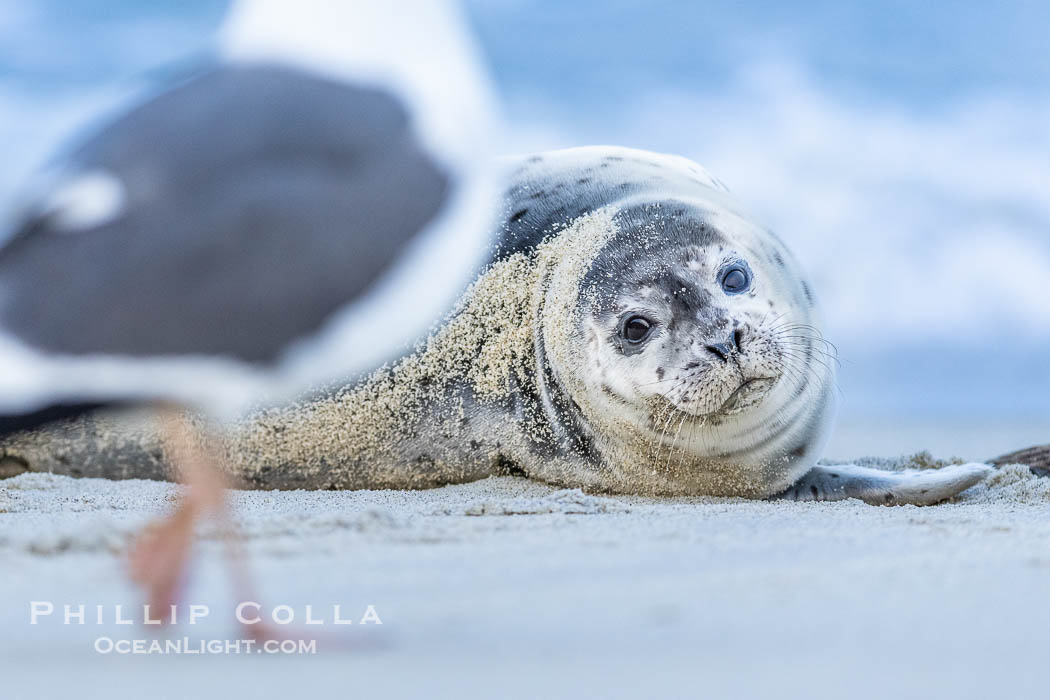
185, 645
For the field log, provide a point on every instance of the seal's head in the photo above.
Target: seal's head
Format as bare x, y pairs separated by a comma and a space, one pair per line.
699, 340
678, 339
693, 310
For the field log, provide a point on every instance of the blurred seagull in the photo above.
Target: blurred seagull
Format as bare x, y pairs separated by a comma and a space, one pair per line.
300, 211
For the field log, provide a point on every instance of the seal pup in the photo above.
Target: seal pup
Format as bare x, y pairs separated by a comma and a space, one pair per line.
634, 332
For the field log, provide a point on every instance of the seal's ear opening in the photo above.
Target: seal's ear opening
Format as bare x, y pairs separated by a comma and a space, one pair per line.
593, 339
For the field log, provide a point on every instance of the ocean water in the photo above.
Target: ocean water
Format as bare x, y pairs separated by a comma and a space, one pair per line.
899, 148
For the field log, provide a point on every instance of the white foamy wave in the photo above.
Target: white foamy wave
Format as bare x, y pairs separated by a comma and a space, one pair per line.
935, 223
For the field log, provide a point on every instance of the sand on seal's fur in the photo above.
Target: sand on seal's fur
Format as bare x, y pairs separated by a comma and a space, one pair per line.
437, 416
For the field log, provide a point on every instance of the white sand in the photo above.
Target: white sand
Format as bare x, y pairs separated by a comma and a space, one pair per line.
506, 587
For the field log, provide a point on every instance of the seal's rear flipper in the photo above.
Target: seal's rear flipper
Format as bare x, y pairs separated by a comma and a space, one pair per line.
878, 487
1037, 459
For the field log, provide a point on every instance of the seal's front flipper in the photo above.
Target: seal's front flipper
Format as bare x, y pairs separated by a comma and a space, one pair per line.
878, 487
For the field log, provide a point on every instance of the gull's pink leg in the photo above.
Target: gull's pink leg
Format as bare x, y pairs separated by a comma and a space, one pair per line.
159, 556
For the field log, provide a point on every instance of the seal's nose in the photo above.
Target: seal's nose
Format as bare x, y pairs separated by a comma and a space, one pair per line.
724, 350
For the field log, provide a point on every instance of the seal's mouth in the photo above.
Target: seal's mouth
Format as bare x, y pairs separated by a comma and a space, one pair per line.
750, 392
747, 394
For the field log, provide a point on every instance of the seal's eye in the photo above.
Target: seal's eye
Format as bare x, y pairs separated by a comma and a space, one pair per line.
736, 279
635, 329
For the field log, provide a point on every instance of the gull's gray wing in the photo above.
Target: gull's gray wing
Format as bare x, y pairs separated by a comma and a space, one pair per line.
227, 216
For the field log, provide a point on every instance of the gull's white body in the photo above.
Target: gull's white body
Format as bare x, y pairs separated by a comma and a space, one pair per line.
421, 52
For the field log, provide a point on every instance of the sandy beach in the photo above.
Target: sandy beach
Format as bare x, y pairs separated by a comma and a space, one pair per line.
852, 262
510, 588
